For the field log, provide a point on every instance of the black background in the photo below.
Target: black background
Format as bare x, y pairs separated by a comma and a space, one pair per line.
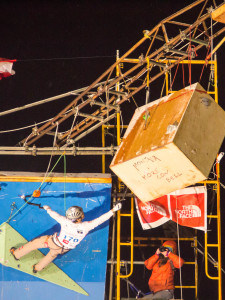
65, 45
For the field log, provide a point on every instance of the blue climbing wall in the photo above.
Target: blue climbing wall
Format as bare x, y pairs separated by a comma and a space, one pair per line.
86, 264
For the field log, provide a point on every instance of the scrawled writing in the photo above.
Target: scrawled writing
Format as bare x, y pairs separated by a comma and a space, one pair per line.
145, 160
150, 174
152, 167
173, 177
160, 175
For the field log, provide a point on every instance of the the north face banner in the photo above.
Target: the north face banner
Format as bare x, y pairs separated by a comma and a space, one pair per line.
153, 213
187, 207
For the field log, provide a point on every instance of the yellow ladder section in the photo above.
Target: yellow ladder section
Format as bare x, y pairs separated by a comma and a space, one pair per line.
143, 242
129, 244
217, 216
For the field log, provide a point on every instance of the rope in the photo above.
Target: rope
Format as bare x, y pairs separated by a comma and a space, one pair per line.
174, 77
51, 170
200, 34
204, 64
189, 58
183, 75
147, 59
178, 243
209, 47
133, 287
74, 119
47, 100
64, 182
163, 86
22, 128
54, 141
201, 271
211, 77
147, 82
121, 125
64, 58
31, 197
211, 29
17, 211
125, 81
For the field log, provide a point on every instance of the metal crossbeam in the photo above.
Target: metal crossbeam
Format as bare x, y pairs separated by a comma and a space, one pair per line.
73, 151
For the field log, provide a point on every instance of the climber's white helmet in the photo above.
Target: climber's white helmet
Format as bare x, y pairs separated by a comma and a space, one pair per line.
74, 212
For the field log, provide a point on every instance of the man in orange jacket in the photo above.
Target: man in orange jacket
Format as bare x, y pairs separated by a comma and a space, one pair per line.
163, 264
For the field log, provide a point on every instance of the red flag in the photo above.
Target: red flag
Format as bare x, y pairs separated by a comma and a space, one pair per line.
6, 66
153, 213
187, 207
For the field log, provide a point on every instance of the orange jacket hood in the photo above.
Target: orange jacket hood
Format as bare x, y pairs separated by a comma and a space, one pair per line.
162, 278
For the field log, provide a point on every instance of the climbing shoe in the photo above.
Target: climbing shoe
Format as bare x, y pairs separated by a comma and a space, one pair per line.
12, 250
34, 270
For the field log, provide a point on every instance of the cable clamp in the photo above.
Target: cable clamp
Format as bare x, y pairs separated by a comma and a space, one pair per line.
34, 150
35, 131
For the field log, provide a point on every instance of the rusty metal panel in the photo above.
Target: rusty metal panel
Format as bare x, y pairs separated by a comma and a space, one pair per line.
170, 143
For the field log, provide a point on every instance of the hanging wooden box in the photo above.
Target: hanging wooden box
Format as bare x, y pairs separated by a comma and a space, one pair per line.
219, 14
170, 143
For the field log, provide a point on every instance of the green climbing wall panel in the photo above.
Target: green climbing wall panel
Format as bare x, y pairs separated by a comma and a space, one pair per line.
9, 237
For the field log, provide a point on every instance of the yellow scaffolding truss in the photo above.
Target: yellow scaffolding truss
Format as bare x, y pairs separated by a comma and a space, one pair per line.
217, 245
217, 217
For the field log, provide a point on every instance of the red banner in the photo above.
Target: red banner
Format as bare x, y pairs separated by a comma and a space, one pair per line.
187, 207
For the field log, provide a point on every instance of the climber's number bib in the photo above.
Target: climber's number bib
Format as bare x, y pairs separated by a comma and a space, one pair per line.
70, 241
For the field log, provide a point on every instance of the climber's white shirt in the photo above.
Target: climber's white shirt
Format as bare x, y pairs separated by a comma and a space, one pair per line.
72, 234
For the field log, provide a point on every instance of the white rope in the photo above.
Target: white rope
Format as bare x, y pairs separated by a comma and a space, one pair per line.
54, 142
213, 172
212, 38
64, 58
178, 243
121, 129
74, 119
22, 128
211, 75
71, 93
29, 126
50, 160
107, 101
125, 80
163, 87
40, 102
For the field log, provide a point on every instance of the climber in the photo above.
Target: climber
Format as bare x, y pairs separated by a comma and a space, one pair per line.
163, 264
72, 232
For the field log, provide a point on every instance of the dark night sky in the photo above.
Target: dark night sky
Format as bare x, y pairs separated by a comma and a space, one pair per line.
65, 45
85, 35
